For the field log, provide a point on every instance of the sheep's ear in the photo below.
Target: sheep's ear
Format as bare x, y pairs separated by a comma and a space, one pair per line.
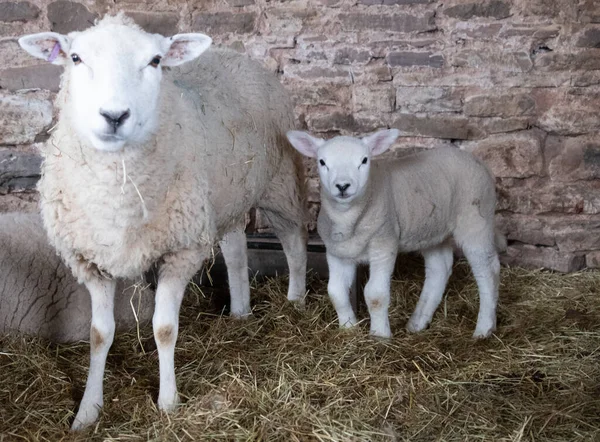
380, 141
184, 47
304, 143
48, 46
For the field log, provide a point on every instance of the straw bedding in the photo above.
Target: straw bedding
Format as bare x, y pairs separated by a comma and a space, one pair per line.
292, 375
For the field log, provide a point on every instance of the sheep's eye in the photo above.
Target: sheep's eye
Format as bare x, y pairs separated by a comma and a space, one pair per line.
321, 162
364, 161
155, 61
75, 58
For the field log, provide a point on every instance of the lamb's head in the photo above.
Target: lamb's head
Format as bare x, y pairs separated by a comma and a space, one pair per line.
113, 73
343, 162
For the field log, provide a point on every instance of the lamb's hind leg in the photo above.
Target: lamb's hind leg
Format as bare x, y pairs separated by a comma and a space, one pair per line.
235, 252
175, 272
484, 262
438, 267
102, 331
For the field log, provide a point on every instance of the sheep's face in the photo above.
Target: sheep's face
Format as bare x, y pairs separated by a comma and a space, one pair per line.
343, 162
113, 74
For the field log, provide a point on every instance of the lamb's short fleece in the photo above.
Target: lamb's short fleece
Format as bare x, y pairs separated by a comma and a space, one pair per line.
422, 202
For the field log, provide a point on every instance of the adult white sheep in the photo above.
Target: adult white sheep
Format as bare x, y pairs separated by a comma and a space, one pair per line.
146, 167
370, 211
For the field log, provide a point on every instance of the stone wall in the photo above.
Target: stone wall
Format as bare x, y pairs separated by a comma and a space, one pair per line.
517, 82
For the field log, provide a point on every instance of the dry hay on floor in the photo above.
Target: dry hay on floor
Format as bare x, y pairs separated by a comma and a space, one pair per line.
292, 375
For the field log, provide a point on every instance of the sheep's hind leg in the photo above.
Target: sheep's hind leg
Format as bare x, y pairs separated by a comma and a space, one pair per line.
341, 277
235, 252
438, 267
486, 269
175, 272
102, 331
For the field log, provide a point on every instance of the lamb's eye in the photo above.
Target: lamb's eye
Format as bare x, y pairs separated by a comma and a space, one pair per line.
155, 61
75, 58
364, 161
321, 162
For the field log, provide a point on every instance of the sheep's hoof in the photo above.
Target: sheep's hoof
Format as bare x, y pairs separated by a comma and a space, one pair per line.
168, 405
86, 416
298, 303
483, 334
240, 315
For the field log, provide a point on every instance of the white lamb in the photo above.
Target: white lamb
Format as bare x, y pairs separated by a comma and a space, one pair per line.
148, 166
370, 211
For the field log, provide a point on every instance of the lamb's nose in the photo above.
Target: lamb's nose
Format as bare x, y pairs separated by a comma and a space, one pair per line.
342, 187
115, 118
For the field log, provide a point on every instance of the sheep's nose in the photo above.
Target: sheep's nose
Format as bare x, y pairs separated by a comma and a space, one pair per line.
342, 187
115, 118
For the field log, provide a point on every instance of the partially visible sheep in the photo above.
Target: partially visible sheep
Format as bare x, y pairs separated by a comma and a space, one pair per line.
149, 167
421, 202
40, 297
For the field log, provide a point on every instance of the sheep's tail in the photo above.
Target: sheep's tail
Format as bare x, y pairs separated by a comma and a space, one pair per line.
500, 241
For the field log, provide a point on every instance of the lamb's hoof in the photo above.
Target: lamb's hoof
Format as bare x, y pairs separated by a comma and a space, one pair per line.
416, 326
483, 334
381, 335
168, 404
86, 416
298, 302
240, 315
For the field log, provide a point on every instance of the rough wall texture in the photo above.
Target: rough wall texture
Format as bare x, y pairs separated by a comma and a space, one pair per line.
517, 82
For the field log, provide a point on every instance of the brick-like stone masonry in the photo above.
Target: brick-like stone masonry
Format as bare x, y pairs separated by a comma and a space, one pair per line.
516, 82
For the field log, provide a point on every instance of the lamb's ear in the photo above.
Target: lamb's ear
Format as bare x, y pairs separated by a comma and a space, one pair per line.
184, 47
380, 141
48, 46
304, 143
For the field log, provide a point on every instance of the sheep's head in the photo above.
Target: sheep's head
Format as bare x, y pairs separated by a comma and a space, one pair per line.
114, 73
343, 162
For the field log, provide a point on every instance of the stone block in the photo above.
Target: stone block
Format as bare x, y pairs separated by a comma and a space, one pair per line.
408, 58
506, 105
163, 23
224, 22
19, 171
496, 60
23, 116
389, 22
492, 9
437, 126
573, 158
18, 11
589, 38
44, 76
392, 2
428, 99
525, 255
516, 155
352, 56
376, 98
564, 113
66, 16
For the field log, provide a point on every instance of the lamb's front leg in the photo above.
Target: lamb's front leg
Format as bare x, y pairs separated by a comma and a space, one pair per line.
341, 276
377, 293
102, 331
174, 275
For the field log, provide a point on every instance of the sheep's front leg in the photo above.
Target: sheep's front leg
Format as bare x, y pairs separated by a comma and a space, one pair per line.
377, 294
176, 271
341, 276
235, 252
102, 331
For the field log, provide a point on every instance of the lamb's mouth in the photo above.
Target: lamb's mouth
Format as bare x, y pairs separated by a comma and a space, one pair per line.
109, 138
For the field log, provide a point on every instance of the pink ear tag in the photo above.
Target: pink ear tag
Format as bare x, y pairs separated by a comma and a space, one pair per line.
54, 52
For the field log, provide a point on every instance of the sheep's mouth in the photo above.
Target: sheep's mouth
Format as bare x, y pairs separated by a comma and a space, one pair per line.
109, 138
